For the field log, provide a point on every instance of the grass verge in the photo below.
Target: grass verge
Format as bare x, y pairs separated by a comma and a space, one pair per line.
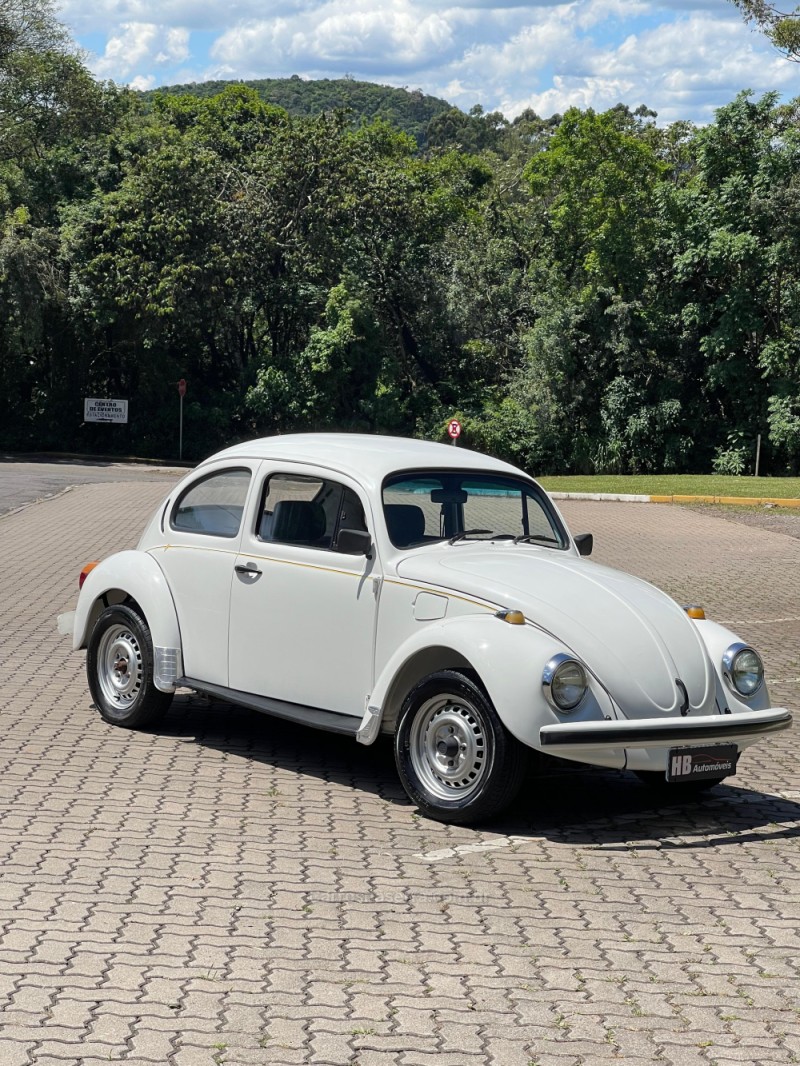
784, 488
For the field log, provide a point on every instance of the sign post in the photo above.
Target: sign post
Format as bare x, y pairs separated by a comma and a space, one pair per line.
181, 393
454, 429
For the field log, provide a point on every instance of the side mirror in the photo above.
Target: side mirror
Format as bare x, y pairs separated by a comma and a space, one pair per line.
584, 542
354, 542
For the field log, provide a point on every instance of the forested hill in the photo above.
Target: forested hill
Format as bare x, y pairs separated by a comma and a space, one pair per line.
407, 110
587, 292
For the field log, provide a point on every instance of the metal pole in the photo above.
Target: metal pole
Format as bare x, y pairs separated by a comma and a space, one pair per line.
180, 438
758, 453
455, 441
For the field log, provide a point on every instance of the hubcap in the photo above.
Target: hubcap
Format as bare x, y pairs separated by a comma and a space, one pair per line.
448, 747
119, 667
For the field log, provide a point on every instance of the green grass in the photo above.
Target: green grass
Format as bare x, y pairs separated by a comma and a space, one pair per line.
785, 488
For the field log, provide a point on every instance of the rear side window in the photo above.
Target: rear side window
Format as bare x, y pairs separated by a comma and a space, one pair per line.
213, 506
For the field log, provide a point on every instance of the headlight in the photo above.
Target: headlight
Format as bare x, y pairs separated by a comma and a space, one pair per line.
743, 670
564, 683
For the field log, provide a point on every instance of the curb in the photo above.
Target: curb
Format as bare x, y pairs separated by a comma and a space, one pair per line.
621, 497
99, 460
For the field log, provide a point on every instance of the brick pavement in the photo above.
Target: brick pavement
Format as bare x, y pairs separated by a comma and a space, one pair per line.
236, 890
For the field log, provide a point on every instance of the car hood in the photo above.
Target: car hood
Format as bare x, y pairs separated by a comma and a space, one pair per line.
635, 639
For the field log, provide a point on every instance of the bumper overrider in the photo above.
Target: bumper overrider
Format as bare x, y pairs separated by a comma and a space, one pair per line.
658, 733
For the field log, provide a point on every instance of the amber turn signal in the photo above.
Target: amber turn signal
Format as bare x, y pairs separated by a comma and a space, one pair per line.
85, 572
694, 611
514, 618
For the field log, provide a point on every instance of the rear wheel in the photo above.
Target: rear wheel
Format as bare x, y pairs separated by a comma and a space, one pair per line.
455, 758
119, 667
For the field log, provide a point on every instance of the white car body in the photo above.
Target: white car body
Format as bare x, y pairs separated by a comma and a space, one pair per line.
339, 640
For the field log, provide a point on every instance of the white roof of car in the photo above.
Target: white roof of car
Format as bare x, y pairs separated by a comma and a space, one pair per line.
363, 456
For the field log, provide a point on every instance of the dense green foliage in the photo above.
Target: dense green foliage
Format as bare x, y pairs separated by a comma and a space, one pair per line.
411, 112
588, 293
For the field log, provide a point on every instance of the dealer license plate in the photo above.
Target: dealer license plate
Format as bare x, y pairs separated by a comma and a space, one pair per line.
702, 762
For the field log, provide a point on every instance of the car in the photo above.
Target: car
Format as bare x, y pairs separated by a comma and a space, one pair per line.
373, 585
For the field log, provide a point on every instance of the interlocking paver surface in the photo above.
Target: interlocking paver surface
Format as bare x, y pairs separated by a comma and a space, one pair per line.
233, 889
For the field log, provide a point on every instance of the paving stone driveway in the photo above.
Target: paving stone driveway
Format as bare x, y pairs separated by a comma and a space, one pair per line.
235, 890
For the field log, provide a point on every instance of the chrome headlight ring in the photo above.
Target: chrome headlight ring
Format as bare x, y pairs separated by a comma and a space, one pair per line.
743, 670
564, 683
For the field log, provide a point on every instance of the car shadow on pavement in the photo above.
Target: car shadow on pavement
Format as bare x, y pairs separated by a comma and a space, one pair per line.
580, 806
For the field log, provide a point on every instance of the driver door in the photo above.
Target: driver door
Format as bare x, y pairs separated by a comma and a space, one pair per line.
303, 614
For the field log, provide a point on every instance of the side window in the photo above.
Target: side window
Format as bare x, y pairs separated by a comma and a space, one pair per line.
307, 511
214, 505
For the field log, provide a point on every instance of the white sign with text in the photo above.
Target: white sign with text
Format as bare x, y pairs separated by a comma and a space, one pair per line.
95, 410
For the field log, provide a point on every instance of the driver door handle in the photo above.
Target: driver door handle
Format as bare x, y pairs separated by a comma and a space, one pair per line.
240, 568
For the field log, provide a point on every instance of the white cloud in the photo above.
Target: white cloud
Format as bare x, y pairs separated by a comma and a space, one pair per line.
138, 45
175, 47
682, 69
681, 57
142, 84
340, 35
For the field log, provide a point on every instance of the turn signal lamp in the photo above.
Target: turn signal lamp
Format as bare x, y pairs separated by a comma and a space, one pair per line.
514, 618
694, 611
85, 572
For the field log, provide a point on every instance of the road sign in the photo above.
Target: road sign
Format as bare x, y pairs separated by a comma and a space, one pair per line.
96, 410
182, 387
454, 428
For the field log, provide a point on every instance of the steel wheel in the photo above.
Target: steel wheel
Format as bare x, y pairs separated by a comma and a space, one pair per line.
119, 667
455, 758
448, 747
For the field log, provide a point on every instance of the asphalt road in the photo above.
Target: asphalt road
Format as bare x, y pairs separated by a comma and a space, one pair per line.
23, 480
234, 890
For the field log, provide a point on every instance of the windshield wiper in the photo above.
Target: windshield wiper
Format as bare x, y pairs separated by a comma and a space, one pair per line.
528, 538
471, 533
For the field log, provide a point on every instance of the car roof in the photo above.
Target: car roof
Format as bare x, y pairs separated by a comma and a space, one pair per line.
365, 457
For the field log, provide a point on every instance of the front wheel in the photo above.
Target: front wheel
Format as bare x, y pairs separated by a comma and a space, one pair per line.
455, 758
119, 667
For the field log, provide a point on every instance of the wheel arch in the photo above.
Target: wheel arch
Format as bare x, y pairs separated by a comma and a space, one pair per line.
420, 664
135, 578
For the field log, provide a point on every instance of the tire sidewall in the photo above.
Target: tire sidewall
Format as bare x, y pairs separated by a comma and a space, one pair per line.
146, 704
497, 741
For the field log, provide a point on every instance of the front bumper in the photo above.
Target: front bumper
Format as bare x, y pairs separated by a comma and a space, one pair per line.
570, 737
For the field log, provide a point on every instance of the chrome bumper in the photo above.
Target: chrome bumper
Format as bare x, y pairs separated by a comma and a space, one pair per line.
657, 733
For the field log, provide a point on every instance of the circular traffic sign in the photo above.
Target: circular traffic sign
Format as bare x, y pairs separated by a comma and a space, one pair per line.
182, 387
454, 428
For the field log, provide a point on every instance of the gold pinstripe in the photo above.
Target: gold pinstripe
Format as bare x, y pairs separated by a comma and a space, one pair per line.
484, 605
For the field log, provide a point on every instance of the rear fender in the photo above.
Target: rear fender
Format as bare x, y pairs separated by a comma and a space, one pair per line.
134, 575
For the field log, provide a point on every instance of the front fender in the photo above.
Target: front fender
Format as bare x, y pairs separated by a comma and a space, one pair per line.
137, 575
509, 660
717, 640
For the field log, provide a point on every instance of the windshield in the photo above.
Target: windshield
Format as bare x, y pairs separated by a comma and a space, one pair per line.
424, 506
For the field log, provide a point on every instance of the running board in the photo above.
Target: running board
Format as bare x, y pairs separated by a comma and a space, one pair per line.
291, 712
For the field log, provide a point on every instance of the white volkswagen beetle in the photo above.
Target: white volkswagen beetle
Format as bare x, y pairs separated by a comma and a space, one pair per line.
371, 584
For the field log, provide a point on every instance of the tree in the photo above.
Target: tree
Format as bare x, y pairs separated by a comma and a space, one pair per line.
781, 26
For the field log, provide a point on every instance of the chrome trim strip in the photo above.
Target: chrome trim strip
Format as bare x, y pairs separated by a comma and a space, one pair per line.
166, 667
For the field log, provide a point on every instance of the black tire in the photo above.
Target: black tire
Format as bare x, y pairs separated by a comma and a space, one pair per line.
455, 758
675, 790
119, 667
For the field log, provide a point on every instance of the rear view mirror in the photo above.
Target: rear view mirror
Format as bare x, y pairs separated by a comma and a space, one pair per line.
584, 542
449, 496
354, 542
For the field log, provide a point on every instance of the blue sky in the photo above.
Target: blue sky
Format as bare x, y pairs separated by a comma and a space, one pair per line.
683, 58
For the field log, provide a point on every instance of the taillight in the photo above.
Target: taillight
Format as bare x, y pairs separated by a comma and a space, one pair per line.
85, 572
